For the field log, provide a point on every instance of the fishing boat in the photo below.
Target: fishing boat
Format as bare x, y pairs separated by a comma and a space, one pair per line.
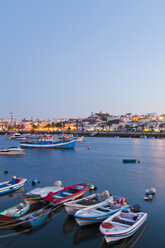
67, 194
72, 206
35, 218
122, 224
99, 212
49, 143
13, 150
38, 194
12, 185
13, 213
16, 136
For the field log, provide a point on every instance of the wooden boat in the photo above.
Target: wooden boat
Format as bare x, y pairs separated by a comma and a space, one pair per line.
67, 194
12, 151
72, 206
12, 185
122, 225
38, 194
35, 218
99, 212
13, 213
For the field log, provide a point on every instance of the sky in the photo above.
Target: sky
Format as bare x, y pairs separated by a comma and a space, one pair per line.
68, 58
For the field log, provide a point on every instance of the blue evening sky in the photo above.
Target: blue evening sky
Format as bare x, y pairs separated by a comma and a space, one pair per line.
67, 58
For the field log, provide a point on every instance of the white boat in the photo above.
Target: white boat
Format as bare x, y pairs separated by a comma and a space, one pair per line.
99, 212
80, 139
12, 185
122, 225
12, 151
17, 136
38, 194
72, 206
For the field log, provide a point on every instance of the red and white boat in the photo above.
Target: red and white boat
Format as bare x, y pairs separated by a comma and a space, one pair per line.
68, 193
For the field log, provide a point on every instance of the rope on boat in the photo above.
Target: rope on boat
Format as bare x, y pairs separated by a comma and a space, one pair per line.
15, 223
19, 223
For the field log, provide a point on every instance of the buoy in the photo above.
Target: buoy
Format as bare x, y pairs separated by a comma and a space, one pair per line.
5, 172
146, 191
150, 197
58, 183
34, 181
153, 190
92, 187
22, 153
89, 147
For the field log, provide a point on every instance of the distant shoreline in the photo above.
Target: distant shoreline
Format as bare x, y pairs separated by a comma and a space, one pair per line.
101, 134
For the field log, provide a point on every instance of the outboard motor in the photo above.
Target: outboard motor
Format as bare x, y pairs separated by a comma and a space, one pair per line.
136, 208
105, 194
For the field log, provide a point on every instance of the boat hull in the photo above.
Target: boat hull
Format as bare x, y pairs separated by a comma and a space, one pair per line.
10, 188
62, 196
132, 231
58, 145
19, 152
4, 218
39, 193
72, 207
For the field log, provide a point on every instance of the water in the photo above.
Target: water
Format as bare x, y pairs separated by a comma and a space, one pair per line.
101, 165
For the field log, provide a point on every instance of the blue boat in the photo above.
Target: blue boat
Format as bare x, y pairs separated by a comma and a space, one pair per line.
12, 185
49, 143
35, 218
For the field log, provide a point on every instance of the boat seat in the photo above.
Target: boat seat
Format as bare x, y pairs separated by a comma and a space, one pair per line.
67, 193
126, 219
58, 196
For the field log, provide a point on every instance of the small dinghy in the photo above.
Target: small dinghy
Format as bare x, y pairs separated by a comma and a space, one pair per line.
67, 194
13, 213
99, 212
12, 151
130, 161
79, 139
35, 218
122, 225
12, 185
38, 194
72, 206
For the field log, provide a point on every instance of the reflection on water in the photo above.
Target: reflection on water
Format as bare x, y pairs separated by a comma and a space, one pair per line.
86, 233
70, 225
81, 234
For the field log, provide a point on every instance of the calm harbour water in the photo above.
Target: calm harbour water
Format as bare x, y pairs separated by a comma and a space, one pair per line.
101, 165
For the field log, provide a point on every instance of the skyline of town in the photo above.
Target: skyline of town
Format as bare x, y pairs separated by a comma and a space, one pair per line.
94, 122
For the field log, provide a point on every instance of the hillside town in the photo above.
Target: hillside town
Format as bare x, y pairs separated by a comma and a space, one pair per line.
95, 122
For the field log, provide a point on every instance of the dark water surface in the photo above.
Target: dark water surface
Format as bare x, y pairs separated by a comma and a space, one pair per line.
101, 165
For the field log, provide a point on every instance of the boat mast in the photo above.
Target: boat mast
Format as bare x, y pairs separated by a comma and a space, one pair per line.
11, 122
